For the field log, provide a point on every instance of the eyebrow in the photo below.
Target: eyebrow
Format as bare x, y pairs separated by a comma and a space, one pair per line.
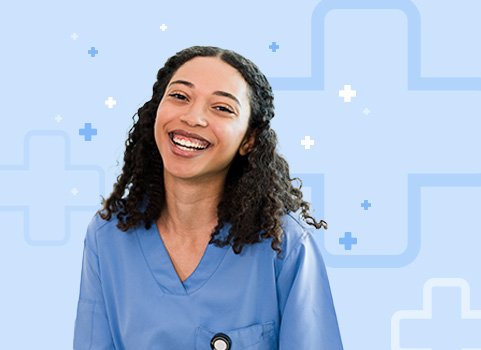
218, 93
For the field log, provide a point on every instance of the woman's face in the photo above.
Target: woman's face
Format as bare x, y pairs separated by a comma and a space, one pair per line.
208, 98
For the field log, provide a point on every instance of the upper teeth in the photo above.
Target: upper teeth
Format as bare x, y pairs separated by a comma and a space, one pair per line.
188, 143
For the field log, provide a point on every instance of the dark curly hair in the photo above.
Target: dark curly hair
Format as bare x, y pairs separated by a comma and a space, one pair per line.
257, 191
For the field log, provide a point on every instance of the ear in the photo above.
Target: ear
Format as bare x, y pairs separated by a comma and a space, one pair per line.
247, 144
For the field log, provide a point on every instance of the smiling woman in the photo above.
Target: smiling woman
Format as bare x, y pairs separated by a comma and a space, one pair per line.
211, 247
206, 96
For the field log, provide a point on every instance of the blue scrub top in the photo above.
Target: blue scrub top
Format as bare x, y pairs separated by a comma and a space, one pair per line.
132, 298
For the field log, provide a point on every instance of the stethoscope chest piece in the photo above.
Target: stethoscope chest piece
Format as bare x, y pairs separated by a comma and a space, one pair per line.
220, 341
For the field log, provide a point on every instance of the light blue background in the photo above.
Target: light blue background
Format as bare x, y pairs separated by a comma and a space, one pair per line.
414, 156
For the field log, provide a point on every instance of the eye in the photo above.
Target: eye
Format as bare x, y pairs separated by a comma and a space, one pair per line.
180, 96
224, 109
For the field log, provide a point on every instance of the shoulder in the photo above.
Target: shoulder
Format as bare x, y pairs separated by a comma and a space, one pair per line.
295, 231
99, 230
297, 234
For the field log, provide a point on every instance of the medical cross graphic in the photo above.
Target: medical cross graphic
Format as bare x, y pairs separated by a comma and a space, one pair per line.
274, 46
47, 174
396, 152
348, 241
87, 132
110, 102
93, 51
366, 205
347, 93
307, 142
442, 323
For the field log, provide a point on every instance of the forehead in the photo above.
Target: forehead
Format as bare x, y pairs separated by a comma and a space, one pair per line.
211, 74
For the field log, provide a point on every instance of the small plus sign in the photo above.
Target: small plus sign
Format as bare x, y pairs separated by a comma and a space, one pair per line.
163, 27
74, 191
110, 102
273, 46
74, 36
307, 142
366, 111
365, 204
347, 240
93, 51
347, 93
58, 118
87, 131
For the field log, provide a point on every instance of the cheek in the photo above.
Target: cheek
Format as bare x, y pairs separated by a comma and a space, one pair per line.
159, 113
158, 127
161, 118
234, 138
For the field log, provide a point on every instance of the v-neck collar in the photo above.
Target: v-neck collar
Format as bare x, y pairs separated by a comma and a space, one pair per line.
162, 268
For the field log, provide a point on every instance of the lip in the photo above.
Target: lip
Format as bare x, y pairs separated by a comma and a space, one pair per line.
188, 134
186, 154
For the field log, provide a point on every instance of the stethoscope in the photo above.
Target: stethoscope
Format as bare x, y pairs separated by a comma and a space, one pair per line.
220, 341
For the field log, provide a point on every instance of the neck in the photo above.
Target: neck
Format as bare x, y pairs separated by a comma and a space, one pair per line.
190, 212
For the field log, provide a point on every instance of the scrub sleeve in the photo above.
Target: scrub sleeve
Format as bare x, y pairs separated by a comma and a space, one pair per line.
308, 317
92, 330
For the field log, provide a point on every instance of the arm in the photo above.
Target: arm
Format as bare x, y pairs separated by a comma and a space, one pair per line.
92, 330
308, 317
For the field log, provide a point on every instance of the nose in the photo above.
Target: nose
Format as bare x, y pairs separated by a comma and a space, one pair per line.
195, 115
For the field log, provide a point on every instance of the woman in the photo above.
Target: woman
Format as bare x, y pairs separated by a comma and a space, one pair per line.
207, 250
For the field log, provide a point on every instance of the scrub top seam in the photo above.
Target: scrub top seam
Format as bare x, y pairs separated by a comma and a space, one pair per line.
97, 262
296, 244
91, 331
102, 221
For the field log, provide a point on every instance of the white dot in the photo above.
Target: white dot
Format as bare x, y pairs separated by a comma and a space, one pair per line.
220, 344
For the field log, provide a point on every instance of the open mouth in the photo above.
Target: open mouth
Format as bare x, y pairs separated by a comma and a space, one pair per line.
187, 145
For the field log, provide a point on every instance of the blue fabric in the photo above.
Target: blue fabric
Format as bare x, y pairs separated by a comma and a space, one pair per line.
132, 298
